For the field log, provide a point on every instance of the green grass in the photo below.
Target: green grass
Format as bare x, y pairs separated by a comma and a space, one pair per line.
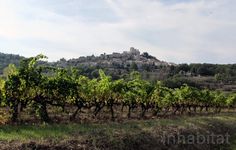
56, 132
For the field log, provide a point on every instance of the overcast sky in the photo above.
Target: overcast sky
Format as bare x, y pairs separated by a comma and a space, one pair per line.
172, 30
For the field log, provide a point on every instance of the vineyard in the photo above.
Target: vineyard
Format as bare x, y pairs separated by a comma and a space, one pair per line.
34, 88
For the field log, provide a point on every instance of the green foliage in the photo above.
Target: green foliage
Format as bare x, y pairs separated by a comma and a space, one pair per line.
162, 96
187, 95
10, 70
6, 59
14, 91
220, 99
206, 97
29, 86
231, 100
2, 92
178, 81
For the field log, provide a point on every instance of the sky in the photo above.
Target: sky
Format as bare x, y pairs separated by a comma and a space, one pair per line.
179, 31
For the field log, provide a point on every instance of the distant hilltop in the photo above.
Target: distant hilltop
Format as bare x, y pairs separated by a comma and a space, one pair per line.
128, 59
119, 65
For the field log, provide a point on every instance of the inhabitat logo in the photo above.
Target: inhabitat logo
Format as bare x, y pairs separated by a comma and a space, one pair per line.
197, 138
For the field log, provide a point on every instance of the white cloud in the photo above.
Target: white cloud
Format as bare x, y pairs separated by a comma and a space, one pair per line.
193, 31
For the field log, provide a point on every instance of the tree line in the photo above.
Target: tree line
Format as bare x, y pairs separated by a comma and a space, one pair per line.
39, 87
6, 59
228, 70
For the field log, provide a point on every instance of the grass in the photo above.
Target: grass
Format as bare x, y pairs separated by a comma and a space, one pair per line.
116, 135
67, 131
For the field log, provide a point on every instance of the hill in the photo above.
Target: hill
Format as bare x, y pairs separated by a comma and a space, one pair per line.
117, 64
213, 76
6, 59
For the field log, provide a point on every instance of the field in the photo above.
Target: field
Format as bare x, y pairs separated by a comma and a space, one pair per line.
129, 134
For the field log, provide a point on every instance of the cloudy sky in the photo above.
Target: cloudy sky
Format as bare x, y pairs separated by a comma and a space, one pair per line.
172, 30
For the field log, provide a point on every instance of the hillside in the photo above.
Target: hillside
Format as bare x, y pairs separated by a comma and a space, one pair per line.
213, 76
118, 64
123, 60
6, 59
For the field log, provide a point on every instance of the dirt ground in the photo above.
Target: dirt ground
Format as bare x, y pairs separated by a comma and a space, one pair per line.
154, 138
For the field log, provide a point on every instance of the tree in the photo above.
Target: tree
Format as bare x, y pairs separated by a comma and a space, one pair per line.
138, 92
2, 92
144, 95
117, 92
118, 89
14, 88
36, 86
162, 97
206, 99
79, 93
231, 101
10, 70
187, 97
219, 101
104, 93
130, 94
